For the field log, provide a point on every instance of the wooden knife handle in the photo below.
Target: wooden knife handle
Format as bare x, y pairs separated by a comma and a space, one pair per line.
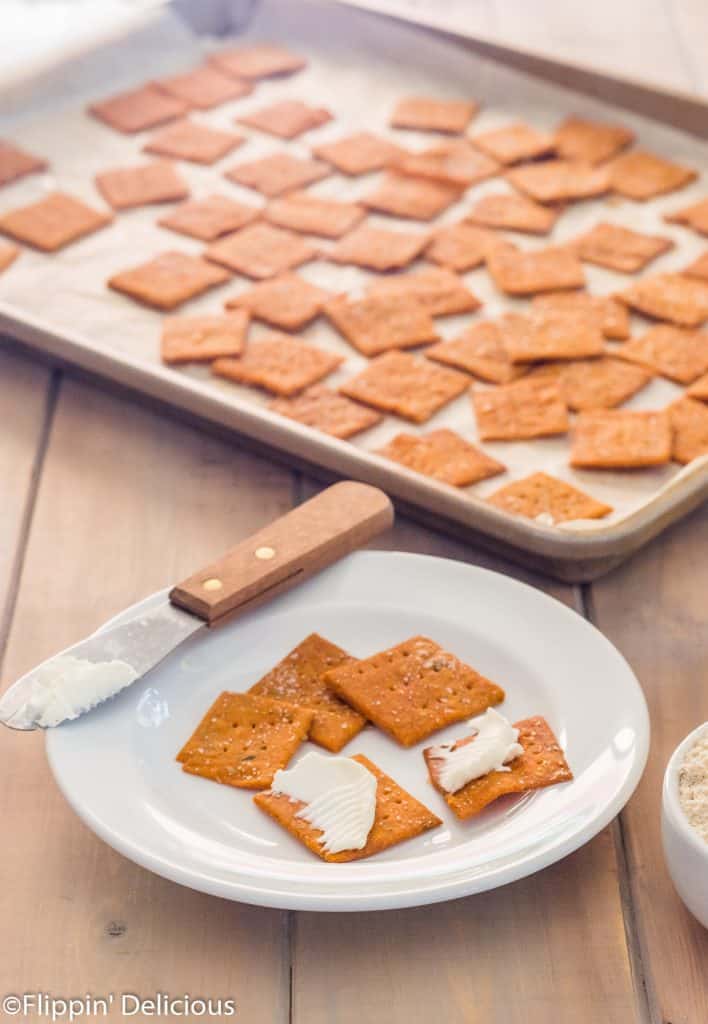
291, 549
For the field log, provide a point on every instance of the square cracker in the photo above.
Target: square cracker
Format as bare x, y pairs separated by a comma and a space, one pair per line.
413, 689
400, 383
138, 109
243, 740
521, 410
209, 218
400, 195
454, 163
514, 143
8, 255
360, 153
674, 297
427, 114
673, 352
559, 181
548, 500
689, 426
590, 141
203, 87
699, 388
127, 187
641, 175
260, 60
280, 172
478, 350
619, 248
52, 222
312, 215
378, 323
287, 301
259, 250
693, 216
278, 363
614, 439
444, 455
198, 339
399, 816
197, 143
541, 764
612, 316
699, 268
512, 213
378, 248
461, 246
600, 383
168, 280
551, 334
16, 163
297, 679
438, 290
541, 270
325, 410
287, 118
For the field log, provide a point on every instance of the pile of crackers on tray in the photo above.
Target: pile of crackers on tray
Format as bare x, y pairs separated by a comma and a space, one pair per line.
321, 693
563, 364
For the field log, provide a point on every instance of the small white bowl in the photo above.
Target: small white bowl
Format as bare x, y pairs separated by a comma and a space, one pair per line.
685, 852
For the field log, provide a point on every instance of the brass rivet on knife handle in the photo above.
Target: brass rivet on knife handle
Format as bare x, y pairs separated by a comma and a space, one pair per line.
338, 520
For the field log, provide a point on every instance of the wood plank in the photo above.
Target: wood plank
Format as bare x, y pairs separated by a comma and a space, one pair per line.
512, 956
128, 502
654, 610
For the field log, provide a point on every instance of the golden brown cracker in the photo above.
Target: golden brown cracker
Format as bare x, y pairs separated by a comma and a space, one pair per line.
402, 384
514, 143
640, 175
287, 301
378, 248
52, 222
377, 323
8, 255
674, 297
278, 363
400, 195
550, 334
198, 339
689, 429
280, 172
461, 246
209, 218
243, 740
287, 119
203, 87
547, 500
427, 114
327, 411
259, 60
559, 181
699, 268
360, 153
592, 142
612, 315
619, 248
437, 289
260, 251
542, 764
197, 143
478, 350
297, 680
16, 163
312, 215
540, 270
454, 163
521, 410
138, 109
127, 187
413, 689
673, 352
617, 439
693, 216
399, 816
599, 383
168, 280
444, 455
512, 213
699, 388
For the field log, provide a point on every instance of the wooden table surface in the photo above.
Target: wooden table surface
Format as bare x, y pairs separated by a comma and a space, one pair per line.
105, 501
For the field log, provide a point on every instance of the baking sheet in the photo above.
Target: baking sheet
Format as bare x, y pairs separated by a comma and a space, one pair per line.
359, 66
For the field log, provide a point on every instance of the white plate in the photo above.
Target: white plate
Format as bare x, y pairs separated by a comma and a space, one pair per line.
116, 766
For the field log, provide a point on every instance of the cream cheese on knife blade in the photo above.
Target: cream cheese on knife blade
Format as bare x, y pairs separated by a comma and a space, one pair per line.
490, 748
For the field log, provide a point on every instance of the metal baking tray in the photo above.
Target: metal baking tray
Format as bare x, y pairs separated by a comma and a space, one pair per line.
359, 63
